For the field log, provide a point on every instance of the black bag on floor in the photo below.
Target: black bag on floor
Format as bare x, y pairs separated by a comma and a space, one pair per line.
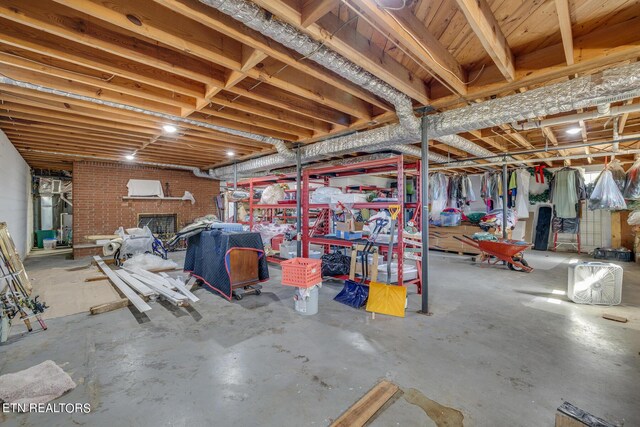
335, 264
541, 242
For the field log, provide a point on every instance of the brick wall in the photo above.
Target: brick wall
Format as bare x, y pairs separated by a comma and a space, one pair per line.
98, 207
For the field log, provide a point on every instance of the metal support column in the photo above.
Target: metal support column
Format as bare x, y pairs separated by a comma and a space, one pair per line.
505, 199
298, 203
424, 217
235, 187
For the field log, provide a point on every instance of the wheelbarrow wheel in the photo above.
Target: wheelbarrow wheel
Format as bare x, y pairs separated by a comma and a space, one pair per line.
515, 267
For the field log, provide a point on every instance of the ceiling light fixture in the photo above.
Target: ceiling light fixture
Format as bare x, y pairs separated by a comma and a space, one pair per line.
573, 131
230, 153
130, 156
169, 128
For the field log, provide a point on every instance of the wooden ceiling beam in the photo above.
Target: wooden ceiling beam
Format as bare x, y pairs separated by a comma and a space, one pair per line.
159, 24
484, 25
243, 117
609, 45
116, 84
85, 90
564, 18
227, 25
53, 117
45, 48
82, 28
250, 58
112, 154
310, 88
352, 45
269, 111
548, 133
152, 125
245, 126
623, 119
296, 104
584, 136
524, 142
176, 146
84, 146
312, 10
414, 36
184, 34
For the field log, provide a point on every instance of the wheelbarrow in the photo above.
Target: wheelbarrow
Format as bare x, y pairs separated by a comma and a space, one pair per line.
509, 251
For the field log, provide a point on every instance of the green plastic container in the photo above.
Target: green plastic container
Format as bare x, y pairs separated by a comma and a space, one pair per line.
44, 234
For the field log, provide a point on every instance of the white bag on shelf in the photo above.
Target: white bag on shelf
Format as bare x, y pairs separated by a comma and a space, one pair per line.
323, 194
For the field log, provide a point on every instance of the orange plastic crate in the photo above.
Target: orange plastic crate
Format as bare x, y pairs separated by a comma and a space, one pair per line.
301, 272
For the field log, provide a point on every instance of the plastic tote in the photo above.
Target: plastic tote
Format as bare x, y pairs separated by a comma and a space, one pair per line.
305, 300
49, 243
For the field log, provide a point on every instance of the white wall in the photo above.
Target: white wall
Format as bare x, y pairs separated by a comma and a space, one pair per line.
15, 198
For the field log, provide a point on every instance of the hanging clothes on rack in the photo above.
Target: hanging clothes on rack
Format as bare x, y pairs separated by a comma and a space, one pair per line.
491, 189
566, 189
460, 191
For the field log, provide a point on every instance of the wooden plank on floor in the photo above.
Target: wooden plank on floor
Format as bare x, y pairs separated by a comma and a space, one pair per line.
615, 318
153, 270
137, 285
122, 286
110, 306
361, 411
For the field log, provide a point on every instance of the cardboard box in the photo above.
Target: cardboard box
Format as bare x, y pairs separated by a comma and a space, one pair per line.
349, 224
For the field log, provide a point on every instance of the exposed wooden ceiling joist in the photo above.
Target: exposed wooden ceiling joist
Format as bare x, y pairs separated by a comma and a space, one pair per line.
485, 26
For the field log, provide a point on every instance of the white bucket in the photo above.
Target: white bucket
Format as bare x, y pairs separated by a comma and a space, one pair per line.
305, 301
49, 243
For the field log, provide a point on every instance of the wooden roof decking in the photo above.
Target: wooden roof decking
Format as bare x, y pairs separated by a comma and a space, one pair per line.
184, 58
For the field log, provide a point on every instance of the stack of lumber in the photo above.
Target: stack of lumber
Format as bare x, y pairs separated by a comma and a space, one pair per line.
441, 238
138, 286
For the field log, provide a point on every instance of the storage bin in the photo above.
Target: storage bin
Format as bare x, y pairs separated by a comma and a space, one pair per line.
450, 219
44, 234
49, 243
301, 272
409, 272
349, 235
613, 254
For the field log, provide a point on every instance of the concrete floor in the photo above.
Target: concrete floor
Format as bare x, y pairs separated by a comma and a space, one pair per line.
501, 348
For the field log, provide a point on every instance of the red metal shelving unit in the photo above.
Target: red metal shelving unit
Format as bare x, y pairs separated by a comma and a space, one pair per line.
317, 235
252, 184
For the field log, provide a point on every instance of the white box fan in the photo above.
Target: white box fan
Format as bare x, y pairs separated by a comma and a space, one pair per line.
595, 283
